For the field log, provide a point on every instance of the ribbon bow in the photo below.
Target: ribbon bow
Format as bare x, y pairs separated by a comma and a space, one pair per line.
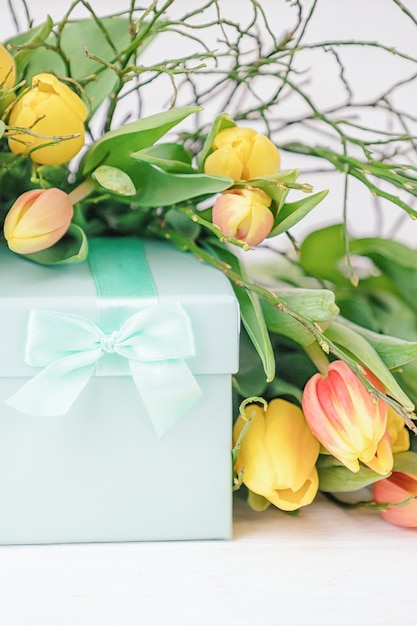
156, 340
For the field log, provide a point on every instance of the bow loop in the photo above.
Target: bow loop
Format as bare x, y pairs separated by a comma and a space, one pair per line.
156, 340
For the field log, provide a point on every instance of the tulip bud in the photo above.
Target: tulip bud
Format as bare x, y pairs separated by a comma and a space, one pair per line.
242, 154
349, 421
244, 215
37, 220
51, 111
277, 455
396, 489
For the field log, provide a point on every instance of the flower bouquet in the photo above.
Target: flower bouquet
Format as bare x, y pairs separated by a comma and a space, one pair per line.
326, 389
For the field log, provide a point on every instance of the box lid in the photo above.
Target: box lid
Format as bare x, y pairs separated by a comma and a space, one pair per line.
203, 292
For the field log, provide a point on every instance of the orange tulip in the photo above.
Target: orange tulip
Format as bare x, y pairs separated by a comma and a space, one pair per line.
347, 419
394, 490
244, 214
38, 219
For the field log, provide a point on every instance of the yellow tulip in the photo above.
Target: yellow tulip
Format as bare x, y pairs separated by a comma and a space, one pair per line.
349, 421
50, 110
242, 154
397, 432
38, 219
244, 214
278, 454
7, 68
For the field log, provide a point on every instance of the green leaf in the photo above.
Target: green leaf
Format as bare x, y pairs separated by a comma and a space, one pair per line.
158, 188
116, 147
395, 260
2, 128
114, 180
357, 346
335, 477
256, 502
317, 305
321, 253
72, 248
293, 212
32, 37
223, 120
250, 312
405, 462
182, 223
408, 379
250, 379
171, 157
275, 187
279, 388
393, 351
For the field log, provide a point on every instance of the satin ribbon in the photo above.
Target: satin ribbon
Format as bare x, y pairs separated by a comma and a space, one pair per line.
155, 341
130, 327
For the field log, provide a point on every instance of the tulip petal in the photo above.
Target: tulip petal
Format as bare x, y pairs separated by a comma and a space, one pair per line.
396, 489
7, 68
224, 162
264, 159
289, 500
233, 135
252, 460
288, 438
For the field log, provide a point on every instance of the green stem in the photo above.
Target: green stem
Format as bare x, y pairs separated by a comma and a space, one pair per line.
82, 191
318, 357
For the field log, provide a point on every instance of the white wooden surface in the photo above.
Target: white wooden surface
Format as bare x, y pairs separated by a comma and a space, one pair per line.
326, 567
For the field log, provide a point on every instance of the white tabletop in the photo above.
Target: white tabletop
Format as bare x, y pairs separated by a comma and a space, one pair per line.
326, 567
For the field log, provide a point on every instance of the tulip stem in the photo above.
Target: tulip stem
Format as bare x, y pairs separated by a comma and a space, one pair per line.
318, 357
82, 191
325, 343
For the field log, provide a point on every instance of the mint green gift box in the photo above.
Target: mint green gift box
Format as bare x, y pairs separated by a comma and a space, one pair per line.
115, 386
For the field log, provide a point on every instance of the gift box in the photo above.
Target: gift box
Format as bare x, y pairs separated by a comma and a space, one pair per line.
115, 386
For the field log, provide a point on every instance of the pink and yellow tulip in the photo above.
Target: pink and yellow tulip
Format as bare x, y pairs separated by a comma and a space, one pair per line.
37, 220
244, 214
348, 420
277, 455
396, 489
242, 154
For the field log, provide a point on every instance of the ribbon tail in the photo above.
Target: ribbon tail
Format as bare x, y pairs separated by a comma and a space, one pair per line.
168, 390
53, 390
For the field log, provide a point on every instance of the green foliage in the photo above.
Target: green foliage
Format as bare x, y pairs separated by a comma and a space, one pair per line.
116, 147
335, 477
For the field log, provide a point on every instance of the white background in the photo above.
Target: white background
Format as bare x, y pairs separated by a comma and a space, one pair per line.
370, 72
326, 568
